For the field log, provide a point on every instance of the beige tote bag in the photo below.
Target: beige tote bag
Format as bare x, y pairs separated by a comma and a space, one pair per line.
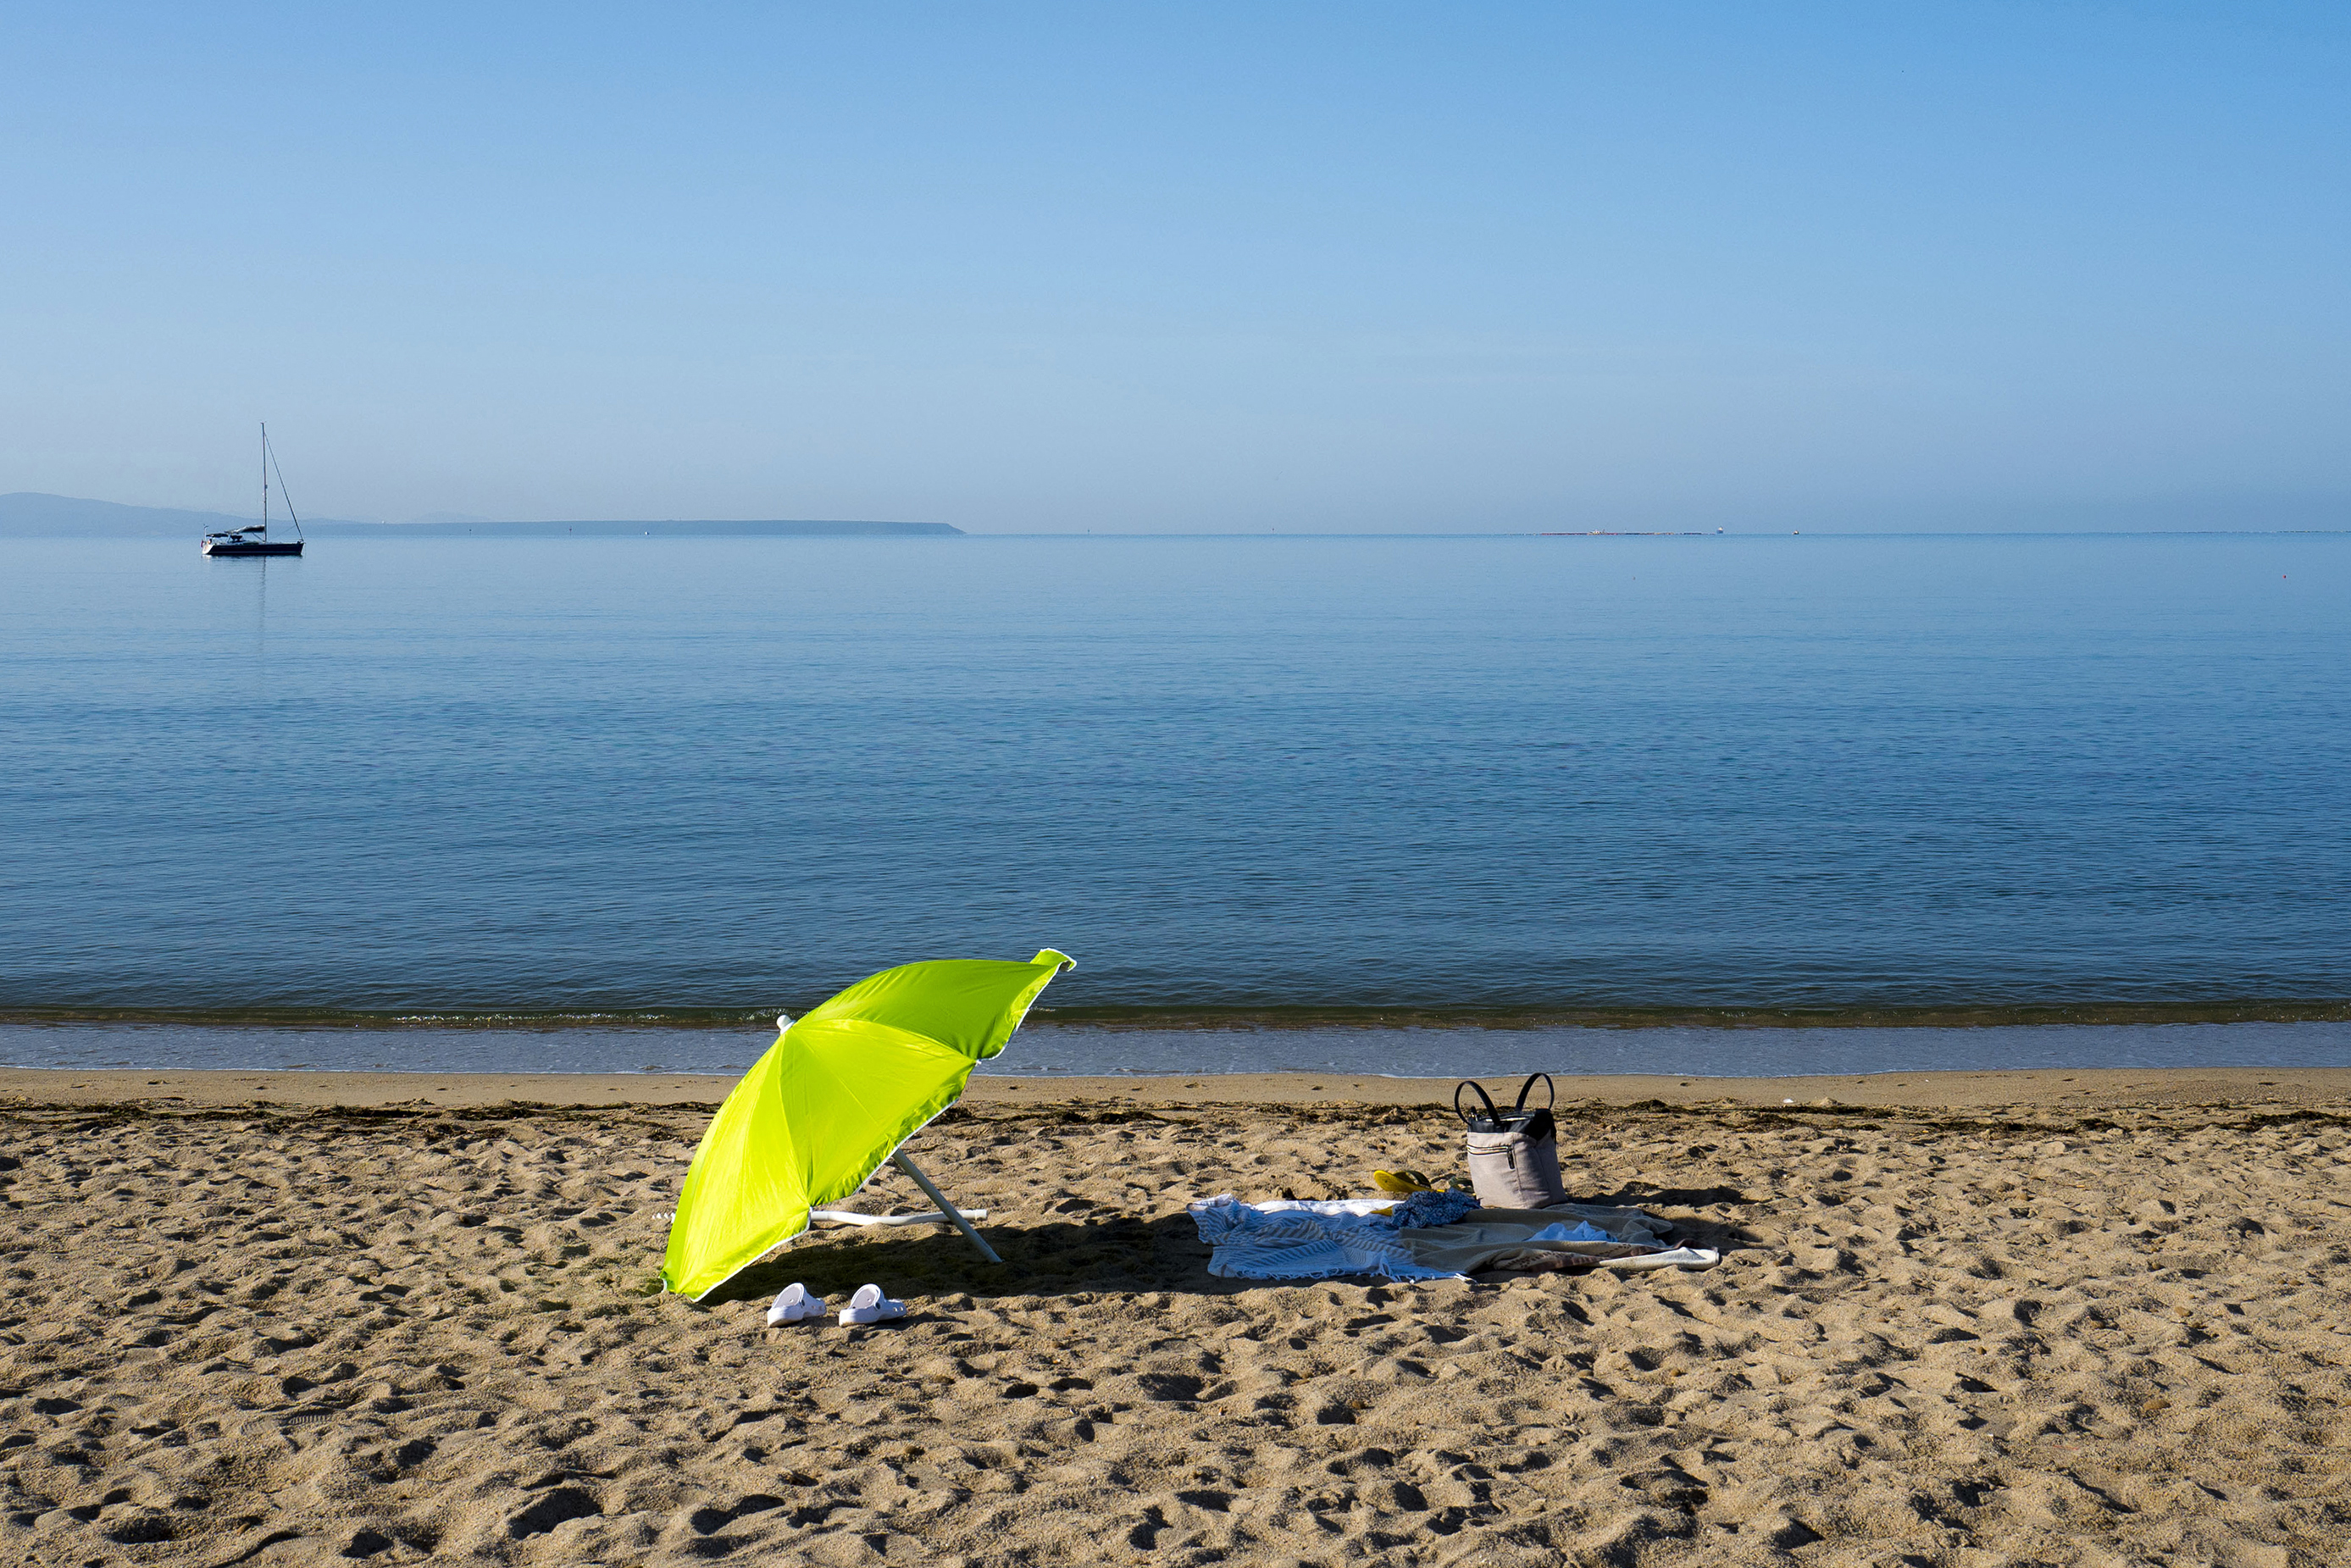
1513, 1153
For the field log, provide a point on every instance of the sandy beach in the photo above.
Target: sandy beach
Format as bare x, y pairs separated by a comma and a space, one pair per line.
1962, 1319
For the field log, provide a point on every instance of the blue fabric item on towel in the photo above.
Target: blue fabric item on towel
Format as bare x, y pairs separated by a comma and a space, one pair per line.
1423, 1209
1290, 1239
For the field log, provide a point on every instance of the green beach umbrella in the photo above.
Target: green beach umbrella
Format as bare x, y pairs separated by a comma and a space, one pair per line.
833, 1098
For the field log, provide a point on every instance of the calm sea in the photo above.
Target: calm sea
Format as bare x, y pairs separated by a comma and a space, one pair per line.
707, 778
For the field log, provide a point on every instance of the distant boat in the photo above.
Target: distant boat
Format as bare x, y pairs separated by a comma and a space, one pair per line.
255, 540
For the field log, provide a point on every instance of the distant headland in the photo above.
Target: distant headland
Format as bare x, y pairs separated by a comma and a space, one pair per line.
710, 528
30, 515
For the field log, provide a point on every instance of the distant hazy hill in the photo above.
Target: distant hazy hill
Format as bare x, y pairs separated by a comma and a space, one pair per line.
29, 515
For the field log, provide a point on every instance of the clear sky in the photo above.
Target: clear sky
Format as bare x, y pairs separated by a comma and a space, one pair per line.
1351, 266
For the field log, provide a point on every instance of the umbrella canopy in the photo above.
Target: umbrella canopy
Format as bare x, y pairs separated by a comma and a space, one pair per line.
833, 1098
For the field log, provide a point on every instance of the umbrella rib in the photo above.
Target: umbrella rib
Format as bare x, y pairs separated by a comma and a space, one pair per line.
905, 1163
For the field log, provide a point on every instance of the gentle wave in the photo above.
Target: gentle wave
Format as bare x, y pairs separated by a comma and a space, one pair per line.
1180, 1018
1081, 1050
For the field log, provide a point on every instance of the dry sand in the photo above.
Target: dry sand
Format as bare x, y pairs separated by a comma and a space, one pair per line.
2050, 1318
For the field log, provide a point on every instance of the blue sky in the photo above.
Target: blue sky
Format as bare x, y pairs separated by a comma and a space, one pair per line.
1216, 267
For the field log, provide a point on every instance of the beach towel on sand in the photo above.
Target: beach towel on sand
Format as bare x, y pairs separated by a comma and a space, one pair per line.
1298, 1241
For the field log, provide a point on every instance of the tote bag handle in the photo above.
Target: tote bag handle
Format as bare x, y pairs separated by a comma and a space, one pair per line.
1493, 1116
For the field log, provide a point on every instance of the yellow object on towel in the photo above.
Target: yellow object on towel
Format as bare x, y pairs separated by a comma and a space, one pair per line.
1402, 1181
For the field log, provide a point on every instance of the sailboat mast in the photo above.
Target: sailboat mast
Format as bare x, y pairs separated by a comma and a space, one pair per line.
265, 480
283, 493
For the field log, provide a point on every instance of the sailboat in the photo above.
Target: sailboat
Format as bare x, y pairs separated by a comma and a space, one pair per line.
255, 538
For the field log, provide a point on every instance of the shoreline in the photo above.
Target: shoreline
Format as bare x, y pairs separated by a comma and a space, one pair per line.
1069, 1052
2042, 1088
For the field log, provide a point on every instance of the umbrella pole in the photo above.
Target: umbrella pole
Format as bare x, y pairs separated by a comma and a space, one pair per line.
905, 1164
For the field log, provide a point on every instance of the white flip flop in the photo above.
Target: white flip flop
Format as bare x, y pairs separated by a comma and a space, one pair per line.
871, 1306
794, 1303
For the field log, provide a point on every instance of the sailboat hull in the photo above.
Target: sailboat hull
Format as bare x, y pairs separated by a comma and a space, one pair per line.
210, 548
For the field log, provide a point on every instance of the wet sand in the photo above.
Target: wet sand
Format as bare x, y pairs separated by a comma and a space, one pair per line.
1964, 1319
